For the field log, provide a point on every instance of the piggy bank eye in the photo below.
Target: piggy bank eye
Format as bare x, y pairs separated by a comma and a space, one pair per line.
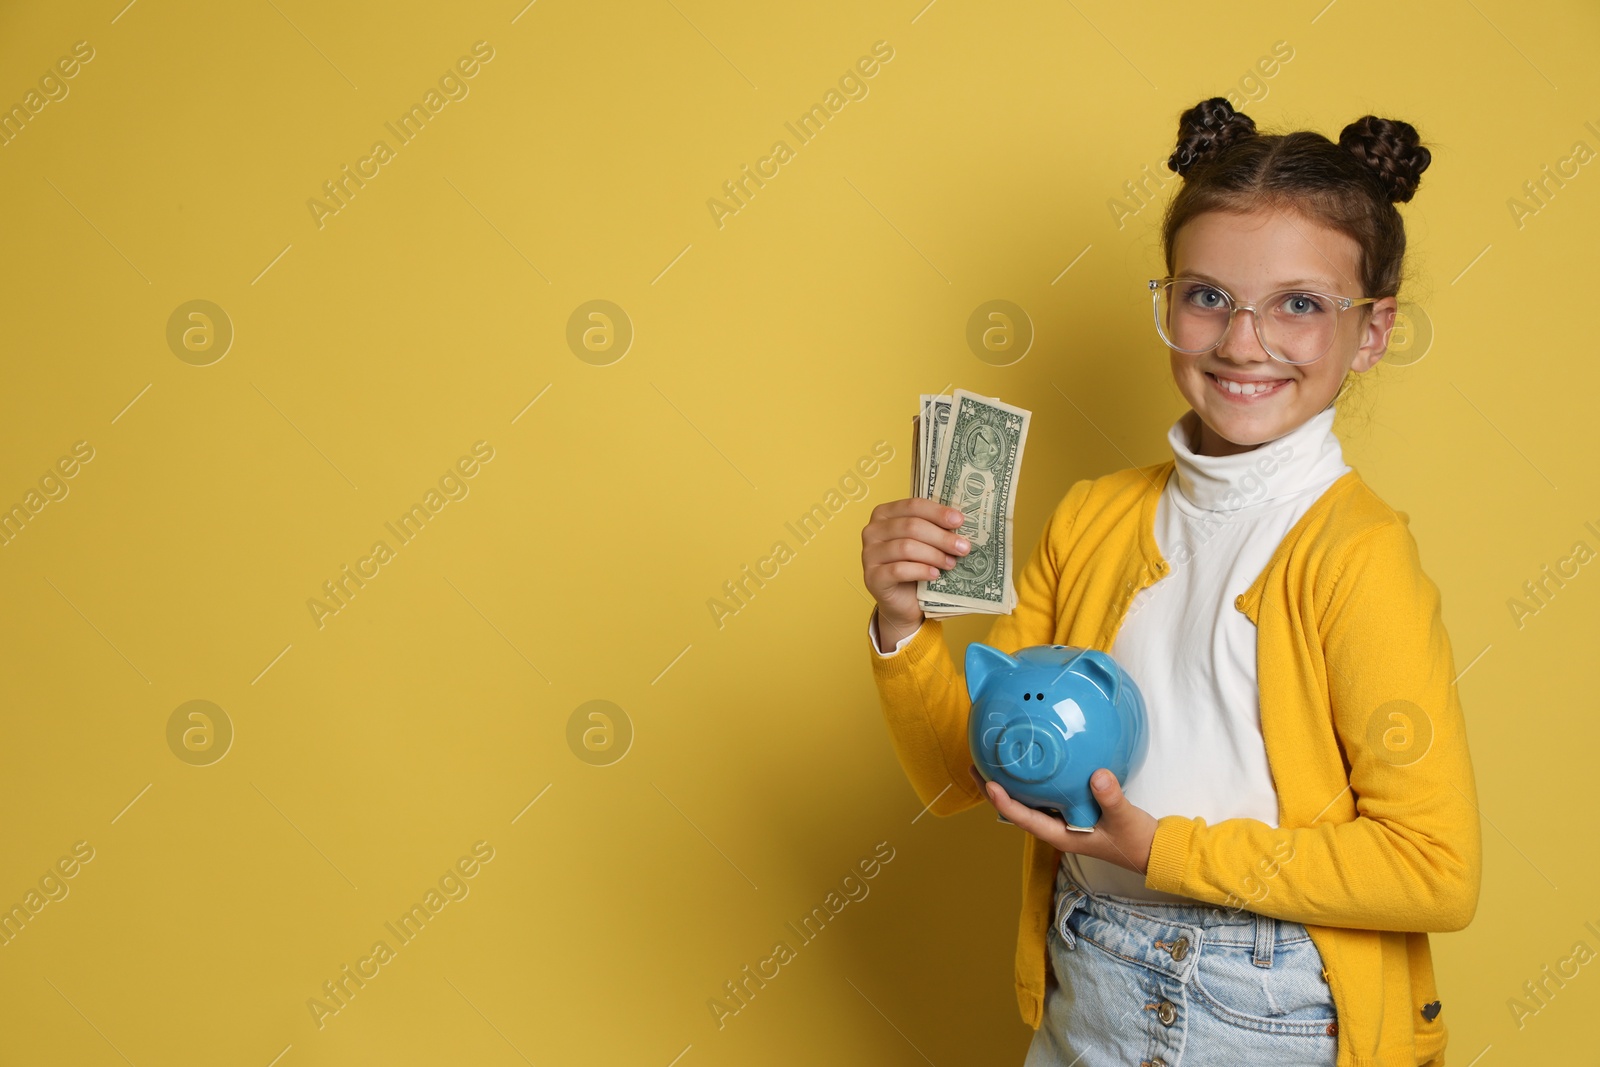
1039, 696
1027, 696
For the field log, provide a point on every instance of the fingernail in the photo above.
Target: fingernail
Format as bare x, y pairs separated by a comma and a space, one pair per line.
962, 545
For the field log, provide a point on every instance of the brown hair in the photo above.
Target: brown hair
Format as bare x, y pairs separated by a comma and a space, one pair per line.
1350, 186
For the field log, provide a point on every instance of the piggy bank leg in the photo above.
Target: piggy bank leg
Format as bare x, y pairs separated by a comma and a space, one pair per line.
1081, 815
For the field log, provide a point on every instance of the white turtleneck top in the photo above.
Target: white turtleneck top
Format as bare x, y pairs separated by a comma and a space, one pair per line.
1192, 654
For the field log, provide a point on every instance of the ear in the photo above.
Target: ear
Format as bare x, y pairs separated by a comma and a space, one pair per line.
1375, 335
1101, 671
982, 661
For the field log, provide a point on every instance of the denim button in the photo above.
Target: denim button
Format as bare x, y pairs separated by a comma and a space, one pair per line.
1166, 1012
1180, 948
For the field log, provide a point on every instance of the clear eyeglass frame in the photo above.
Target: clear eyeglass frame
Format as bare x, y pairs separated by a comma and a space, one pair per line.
1340, 303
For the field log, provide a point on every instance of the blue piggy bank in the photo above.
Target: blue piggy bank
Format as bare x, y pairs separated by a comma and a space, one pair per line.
1046, 718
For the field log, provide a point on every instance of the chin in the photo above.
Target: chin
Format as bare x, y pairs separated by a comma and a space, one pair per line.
1246, 438
1242, 430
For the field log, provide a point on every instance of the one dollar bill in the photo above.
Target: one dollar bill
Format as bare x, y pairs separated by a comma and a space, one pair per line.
969, 450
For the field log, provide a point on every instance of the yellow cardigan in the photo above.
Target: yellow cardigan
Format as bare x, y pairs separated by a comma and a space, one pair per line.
1377, 838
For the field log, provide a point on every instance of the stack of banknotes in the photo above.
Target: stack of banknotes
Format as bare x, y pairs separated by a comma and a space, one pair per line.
969, 454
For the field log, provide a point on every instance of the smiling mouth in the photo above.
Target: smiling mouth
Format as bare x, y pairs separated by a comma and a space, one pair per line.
1245, 390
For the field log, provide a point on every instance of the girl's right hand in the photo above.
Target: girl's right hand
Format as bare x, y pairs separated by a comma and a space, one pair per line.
904, 542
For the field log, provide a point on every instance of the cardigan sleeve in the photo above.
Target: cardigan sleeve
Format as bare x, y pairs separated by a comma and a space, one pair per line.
923, 693
1410, 858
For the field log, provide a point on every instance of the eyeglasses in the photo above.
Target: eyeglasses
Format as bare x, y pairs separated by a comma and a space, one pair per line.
1294, 326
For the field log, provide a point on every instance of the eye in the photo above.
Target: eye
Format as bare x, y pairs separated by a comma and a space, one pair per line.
1027, 696
1205, 297
1300, 304
1041, 696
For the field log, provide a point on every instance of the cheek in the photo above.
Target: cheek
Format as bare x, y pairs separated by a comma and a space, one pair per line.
1320, 382
1328, 372
1183, 368
1186, 374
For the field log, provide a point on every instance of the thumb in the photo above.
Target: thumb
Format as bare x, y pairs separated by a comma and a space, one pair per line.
1107, 791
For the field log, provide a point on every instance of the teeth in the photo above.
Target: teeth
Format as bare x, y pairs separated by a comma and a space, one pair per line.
1246, 388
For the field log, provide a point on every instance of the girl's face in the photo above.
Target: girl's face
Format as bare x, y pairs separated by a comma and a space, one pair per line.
1251, 255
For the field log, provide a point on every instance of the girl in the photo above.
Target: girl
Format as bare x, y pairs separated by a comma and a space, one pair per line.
1259, 891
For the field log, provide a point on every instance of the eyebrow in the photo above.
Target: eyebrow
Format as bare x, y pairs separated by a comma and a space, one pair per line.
1321, 284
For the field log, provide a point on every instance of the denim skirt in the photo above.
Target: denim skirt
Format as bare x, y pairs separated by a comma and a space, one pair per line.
1160, 984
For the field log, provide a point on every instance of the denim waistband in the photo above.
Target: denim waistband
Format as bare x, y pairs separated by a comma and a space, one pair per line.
1165, 936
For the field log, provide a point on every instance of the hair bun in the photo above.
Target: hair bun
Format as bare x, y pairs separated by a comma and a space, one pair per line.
1392, 150
1206, 129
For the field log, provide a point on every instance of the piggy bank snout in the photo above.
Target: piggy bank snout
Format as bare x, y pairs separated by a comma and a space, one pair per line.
1026, 749
1029, 751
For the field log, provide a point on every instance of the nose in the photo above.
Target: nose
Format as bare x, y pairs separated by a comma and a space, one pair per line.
1242, 345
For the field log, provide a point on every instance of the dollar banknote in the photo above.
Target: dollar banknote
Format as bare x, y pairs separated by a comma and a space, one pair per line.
969, 456
928, 433
936, 417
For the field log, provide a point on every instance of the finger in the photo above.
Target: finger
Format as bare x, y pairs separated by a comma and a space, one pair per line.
917, 517
894, 536
943, 533
907, 548
1108, 793
1014, 810
1028, 818
917, 506
1114, 805
1047, 828
898, 573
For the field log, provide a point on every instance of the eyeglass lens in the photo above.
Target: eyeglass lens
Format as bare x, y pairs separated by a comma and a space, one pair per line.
1297, 327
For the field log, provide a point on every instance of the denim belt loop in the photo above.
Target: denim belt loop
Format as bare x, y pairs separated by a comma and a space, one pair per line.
1266, 934
1072, 898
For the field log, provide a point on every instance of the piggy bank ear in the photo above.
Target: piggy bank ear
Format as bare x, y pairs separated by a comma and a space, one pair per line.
982, 661
1101, 670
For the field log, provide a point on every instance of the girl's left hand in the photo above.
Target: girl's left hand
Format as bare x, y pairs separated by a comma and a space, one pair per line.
1122, 836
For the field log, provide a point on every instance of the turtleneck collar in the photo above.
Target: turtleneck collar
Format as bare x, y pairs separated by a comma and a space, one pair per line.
1308, 456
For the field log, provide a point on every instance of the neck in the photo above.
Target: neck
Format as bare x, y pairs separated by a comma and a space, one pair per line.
1241, 476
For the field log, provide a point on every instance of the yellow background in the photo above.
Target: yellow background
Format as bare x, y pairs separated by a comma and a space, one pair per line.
769, 356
